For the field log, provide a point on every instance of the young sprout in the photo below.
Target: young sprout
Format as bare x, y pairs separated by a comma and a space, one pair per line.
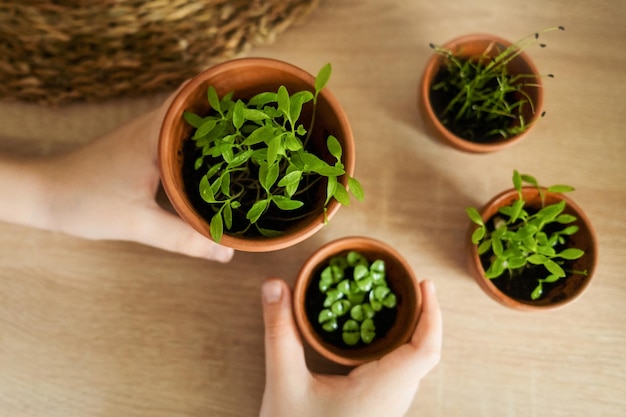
355, 291
483, 100
254, 158
521, 238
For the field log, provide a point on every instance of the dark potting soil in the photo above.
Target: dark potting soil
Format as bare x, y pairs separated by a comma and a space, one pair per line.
273, 219
314, 303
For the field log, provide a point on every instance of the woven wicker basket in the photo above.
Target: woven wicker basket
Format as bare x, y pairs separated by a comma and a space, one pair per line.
57, 51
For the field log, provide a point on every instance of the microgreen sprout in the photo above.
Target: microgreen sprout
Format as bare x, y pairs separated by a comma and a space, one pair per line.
256, 156
520, 238
483, 100
355, 291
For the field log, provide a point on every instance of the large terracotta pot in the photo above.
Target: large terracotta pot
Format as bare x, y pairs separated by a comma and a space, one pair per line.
401, 281
247, 77
473, 46
567, 289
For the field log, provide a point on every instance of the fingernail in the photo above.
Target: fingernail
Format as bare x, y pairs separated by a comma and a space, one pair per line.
272, 291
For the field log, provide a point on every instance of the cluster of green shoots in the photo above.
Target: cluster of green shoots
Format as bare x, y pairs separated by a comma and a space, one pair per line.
355, 291
519, 239
256, 155
486, 101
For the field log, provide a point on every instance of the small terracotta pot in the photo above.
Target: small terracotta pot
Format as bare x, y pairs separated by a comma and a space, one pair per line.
569, 288
474, 46
247, 77
401, 281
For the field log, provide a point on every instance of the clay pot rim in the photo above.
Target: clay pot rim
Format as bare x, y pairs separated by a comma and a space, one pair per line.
494, 292
178, 198
348, 357
430, 71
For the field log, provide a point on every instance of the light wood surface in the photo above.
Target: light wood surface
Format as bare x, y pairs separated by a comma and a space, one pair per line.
118, 329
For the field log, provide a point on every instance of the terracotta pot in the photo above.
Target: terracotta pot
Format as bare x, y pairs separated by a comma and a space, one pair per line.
474, 46
401, 281
568, 288
247, 77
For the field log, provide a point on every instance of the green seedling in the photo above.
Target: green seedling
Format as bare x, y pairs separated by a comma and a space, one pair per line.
256, 156
519, 239
355, 291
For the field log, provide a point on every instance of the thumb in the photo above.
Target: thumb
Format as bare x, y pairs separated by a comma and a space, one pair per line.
284, 354
167, 231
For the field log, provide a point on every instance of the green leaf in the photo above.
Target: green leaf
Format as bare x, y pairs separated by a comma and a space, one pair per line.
240, 158
496, 269
570, 230
238, 117
356, 189
474, 216
257, 210
296, 102
293, 177
571, 253
292, 142
330, 325
551, 278
554, 268
530, 180
516, 210
205, 128
213, 99
526, 231
332, 295
269, 232
537, 259
272, 176
341, 195
274, 148
198, 164
285, 203
206, 192
334, 273
217, 227
560, 188
227, 214
324, 316
262, 99
496, 246
390, 300
378, 266
517, 180
516, 262
484, 246
549, 213
334, 147
368, 331
537, 291
261, 134
331, 187
322, 77
565, 218
357, 313
351, 333
354, 258
478, 234
340, 307
254, 115
193, 119
315, 164
283, 100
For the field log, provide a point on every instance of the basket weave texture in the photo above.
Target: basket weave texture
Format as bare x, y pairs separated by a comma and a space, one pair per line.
61, 51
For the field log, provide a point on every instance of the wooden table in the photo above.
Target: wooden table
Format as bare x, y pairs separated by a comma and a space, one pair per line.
119, 329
